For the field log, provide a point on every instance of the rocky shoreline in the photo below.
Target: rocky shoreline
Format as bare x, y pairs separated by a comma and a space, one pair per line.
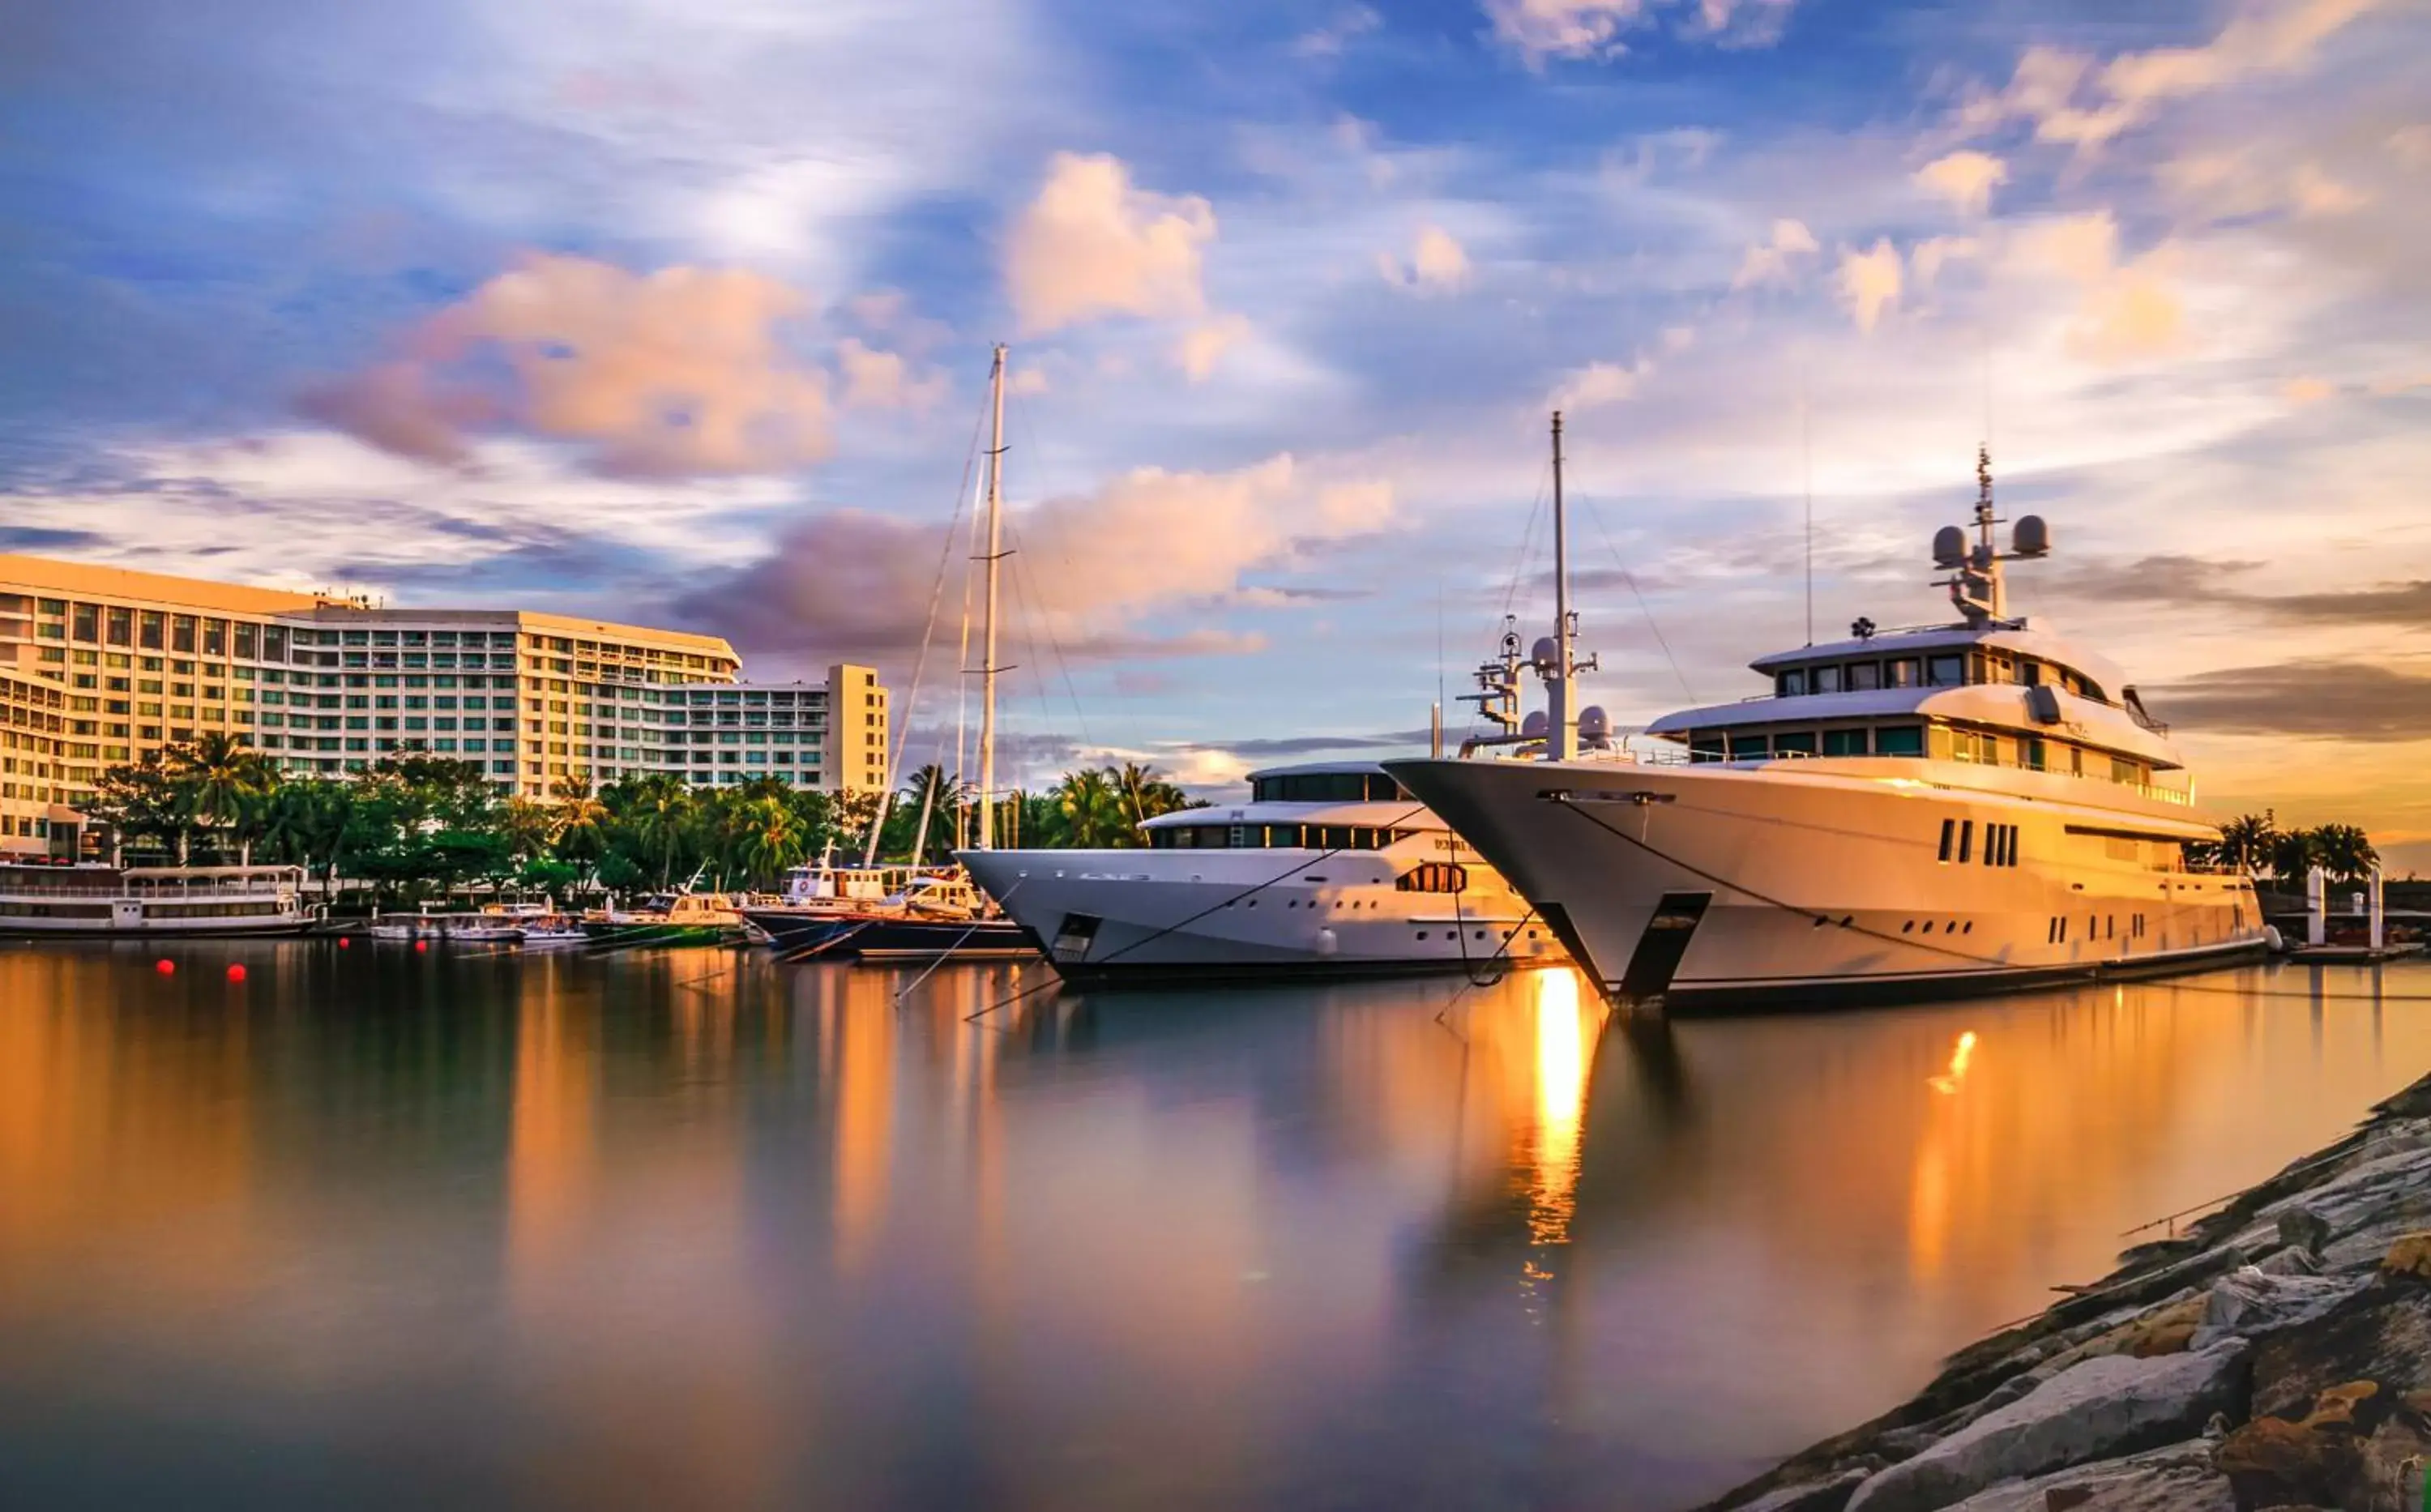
2275, 1355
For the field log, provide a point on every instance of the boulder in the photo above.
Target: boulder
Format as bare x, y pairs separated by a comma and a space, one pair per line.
2098, 1409
2303, 1230
1827, 1495
2179, 1478
2409, 1257
2381, 1333
2251, 1301
2359, 1446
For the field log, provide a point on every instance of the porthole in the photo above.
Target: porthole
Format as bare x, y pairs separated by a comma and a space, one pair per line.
1928, 926
1970, 929
1908, 928
1422, 934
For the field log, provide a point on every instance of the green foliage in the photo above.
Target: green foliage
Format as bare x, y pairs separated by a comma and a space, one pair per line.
2255, 843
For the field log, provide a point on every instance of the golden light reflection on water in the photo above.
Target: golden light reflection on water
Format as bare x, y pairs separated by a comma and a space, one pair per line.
1560, 1099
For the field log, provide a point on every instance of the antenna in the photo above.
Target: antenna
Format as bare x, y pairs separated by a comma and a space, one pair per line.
1806, 466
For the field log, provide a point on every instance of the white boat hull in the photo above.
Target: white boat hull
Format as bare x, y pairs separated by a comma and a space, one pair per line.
1113, 915
1730, 885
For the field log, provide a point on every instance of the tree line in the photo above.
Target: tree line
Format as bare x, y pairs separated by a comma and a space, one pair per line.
413, 824
2255, 842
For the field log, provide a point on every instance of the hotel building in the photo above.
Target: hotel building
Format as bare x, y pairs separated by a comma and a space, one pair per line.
100, 666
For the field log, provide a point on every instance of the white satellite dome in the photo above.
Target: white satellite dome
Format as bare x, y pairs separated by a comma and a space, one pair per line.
1535, 726
1595, 725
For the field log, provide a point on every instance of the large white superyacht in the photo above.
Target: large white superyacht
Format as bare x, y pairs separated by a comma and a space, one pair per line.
1966, 807
1329, 869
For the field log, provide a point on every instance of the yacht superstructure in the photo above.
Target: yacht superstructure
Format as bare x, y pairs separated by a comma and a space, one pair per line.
1329, 869
1966, 807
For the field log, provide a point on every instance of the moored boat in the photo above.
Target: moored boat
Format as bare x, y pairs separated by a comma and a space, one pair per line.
1957, 808
436, 926
685, 918
59, 900
1331, 869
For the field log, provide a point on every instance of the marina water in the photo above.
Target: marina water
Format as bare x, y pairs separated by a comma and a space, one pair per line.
386, 1229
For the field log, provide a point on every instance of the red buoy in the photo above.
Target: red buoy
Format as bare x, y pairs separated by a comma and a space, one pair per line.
164, 966
343, 942
419, 945
236, 973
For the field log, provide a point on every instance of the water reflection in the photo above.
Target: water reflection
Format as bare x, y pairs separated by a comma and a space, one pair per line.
697, 1229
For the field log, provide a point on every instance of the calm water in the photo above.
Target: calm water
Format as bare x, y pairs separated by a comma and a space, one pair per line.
379, 1230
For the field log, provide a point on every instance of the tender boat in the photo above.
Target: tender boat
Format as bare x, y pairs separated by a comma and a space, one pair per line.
1967, 807
543, 928
930, 914
448, 929
62, 899
1331, 869
685, 918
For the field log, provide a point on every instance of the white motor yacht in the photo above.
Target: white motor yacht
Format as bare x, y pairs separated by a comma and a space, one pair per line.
1964, 807
1329, 869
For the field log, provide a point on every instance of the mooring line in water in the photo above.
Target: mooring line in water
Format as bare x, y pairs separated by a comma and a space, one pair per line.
948, 953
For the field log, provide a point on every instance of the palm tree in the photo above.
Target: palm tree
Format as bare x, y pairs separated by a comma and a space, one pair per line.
1093, 807
769, 837
1145, 794
2294, 852
2345, 851
936, 801
663, 815
2245, 841
578, 825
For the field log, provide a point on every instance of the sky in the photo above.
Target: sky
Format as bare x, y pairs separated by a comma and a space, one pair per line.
682, 313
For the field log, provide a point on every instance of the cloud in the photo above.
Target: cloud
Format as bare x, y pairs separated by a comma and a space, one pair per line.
1091, 246
1598, 384
1539, 29
1436, 265
2329, 698
667, 373
1769, 262
2411, 145
2126, 313
2070, 100
1965, 178
2307, 390
1928, 257
1328, 40
1088, 567
2316, 193
882, 381
1870, 282
1542, 29
1204, 344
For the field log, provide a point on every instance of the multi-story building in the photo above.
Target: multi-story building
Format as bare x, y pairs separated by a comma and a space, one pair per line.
100, 666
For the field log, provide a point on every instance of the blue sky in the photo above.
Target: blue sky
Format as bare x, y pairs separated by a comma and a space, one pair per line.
682, 313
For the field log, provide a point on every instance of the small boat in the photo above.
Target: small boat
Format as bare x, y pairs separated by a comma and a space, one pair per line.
448, 929
78, 899
935, 913
685, 918
543, 927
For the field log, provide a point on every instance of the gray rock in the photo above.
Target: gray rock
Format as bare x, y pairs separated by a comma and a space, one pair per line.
1827, 1495
2304, 1231
2251, 1301
2179, 1478
2101, 1408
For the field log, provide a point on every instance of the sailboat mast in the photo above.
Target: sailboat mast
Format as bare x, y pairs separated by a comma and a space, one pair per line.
1562, 721
988, 613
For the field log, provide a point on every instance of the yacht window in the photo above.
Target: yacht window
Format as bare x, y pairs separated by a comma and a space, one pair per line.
1864, 676
2030, 672
1901, 672
1434, 877
1706, 745
1749, 748
2030, 750
1794, 742
1827, 680
1793, 682
1965, 840
1945, 671
1949, 833
1844, 743
1900, 740
2123, 770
